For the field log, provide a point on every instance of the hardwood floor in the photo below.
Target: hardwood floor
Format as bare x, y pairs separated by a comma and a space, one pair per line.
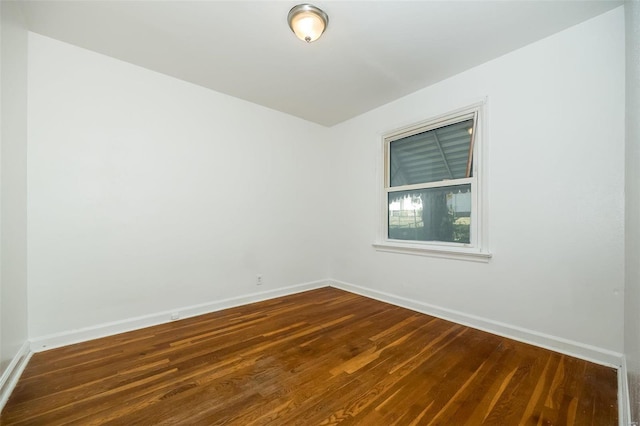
320, 357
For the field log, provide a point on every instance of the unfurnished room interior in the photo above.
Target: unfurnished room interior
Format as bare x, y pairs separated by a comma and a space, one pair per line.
338, 212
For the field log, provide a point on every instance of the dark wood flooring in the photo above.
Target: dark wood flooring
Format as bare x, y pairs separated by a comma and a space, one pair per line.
321, 357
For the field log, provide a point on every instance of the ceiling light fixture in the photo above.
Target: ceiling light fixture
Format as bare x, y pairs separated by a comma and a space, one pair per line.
307, 22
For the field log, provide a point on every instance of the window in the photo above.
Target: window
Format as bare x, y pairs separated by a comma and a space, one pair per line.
432, 192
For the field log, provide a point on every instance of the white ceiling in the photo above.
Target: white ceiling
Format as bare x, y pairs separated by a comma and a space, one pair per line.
373, 52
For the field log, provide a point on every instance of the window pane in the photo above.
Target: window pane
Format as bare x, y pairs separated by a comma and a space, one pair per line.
434, 214
432, 156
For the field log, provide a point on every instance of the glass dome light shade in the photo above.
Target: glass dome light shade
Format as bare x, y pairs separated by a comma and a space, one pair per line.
307, 22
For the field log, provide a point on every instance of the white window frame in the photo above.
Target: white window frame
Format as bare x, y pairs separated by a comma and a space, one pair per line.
476, 249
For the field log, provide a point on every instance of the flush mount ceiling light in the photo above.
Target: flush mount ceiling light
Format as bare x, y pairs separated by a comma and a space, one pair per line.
307, 22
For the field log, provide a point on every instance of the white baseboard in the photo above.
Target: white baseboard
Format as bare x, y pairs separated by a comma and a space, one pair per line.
57, 340
12, 373
556, 344
624, 405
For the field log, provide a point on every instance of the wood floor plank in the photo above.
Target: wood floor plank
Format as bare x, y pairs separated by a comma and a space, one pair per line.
323, 357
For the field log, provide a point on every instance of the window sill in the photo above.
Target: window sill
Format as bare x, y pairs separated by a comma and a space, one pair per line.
457, 253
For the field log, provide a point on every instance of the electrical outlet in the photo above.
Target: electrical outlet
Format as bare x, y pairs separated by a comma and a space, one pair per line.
259, 279
175, 316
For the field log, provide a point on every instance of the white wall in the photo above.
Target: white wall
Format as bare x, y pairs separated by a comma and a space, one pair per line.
147, 193
13, 184
632, 217
555, 135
